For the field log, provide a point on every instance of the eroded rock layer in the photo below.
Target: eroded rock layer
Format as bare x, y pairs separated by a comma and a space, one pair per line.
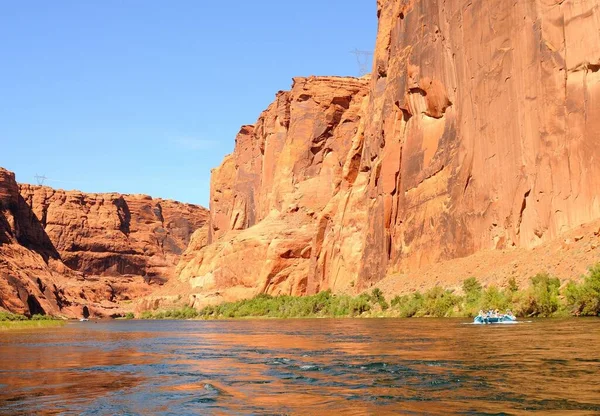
63, 251
482, 129
28, 260
266, 197
478, 130
112, 234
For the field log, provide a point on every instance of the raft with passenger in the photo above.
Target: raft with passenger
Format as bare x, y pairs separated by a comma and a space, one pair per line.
493, 317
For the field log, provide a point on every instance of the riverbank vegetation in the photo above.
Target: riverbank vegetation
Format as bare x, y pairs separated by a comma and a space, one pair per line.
544, 297
16, 321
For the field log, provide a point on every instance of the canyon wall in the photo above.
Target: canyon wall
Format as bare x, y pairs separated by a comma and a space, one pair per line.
63, 250
267, 195
29, 263
478, 130
112, 234
482, 129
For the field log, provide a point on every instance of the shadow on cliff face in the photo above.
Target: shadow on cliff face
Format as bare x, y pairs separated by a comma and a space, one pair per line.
124, 215
34, 306
6, 228
30, 232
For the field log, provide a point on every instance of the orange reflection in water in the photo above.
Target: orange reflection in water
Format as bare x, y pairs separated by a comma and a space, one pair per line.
354, 366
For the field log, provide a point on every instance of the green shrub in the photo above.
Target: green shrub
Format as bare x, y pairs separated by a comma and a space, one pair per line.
8, 316
340, 305
542, 297
360, 304
146, 315
129, 315
186, 312
493, 298
408, 305
473, 291
439, 302
377, 297
38, 317
584, 298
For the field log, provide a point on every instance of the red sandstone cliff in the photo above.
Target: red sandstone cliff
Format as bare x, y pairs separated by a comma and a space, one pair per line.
112, 234
62, 250
478, 130
267, 195
29, 263
482, 131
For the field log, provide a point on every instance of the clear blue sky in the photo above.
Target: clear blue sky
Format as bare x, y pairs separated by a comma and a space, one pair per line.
146, 96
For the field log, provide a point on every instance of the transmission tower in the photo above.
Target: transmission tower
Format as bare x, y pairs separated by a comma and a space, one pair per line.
40, 179
363, 59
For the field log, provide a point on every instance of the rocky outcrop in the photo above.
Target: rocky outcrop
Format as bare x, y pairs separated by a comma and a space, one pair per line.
63, 251
267, 195
113, 234
28, 260
477, 131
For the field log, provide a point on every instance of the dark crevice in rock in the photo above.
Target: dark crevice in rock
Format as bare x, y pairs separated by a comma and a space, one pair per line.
467, 183
41, 285
158, 212
111, 293
523, 206
59, 297
406, 115
44, 219
30, 232
124, 215
342, 101
34, 306
417, 90
353, 168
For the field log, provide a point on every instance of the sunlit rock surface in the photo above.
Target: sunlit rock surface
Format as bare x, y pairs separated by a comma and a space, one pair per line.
477, 131
63, 250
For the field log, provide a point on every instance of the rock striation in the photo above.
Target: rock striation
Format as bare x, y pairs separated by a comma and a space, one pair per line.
63, 250
481, 133
266, 196
28, 259
477, 130
112, 234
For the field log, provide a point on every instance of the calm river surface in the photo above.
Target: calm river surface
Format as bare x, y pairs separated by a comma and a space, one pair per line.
303, 366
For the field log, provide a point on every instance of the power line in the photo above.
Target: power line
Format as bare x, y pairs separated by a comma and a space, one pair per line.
363, 59
40, 179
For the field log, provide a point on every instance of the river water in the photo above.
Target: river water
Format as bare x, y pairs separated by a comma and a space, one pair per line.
302, 366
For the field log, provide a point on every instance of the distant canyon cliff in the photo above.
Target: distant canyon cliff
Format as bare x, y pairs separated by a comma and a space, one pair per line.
62, 250
477, 130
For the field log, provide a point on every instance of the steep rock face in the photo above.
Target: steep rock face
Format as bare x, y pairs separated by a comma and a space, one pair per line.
113, 234
266, 196
28, 260
53, 244
479, 132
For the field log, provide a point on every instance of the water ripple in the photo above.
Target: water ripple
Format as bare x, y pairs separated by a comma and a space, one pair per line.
302, 366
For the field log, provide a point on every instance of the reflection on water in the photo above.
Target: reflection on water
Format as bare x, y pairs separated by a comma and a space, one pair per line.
360, 366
